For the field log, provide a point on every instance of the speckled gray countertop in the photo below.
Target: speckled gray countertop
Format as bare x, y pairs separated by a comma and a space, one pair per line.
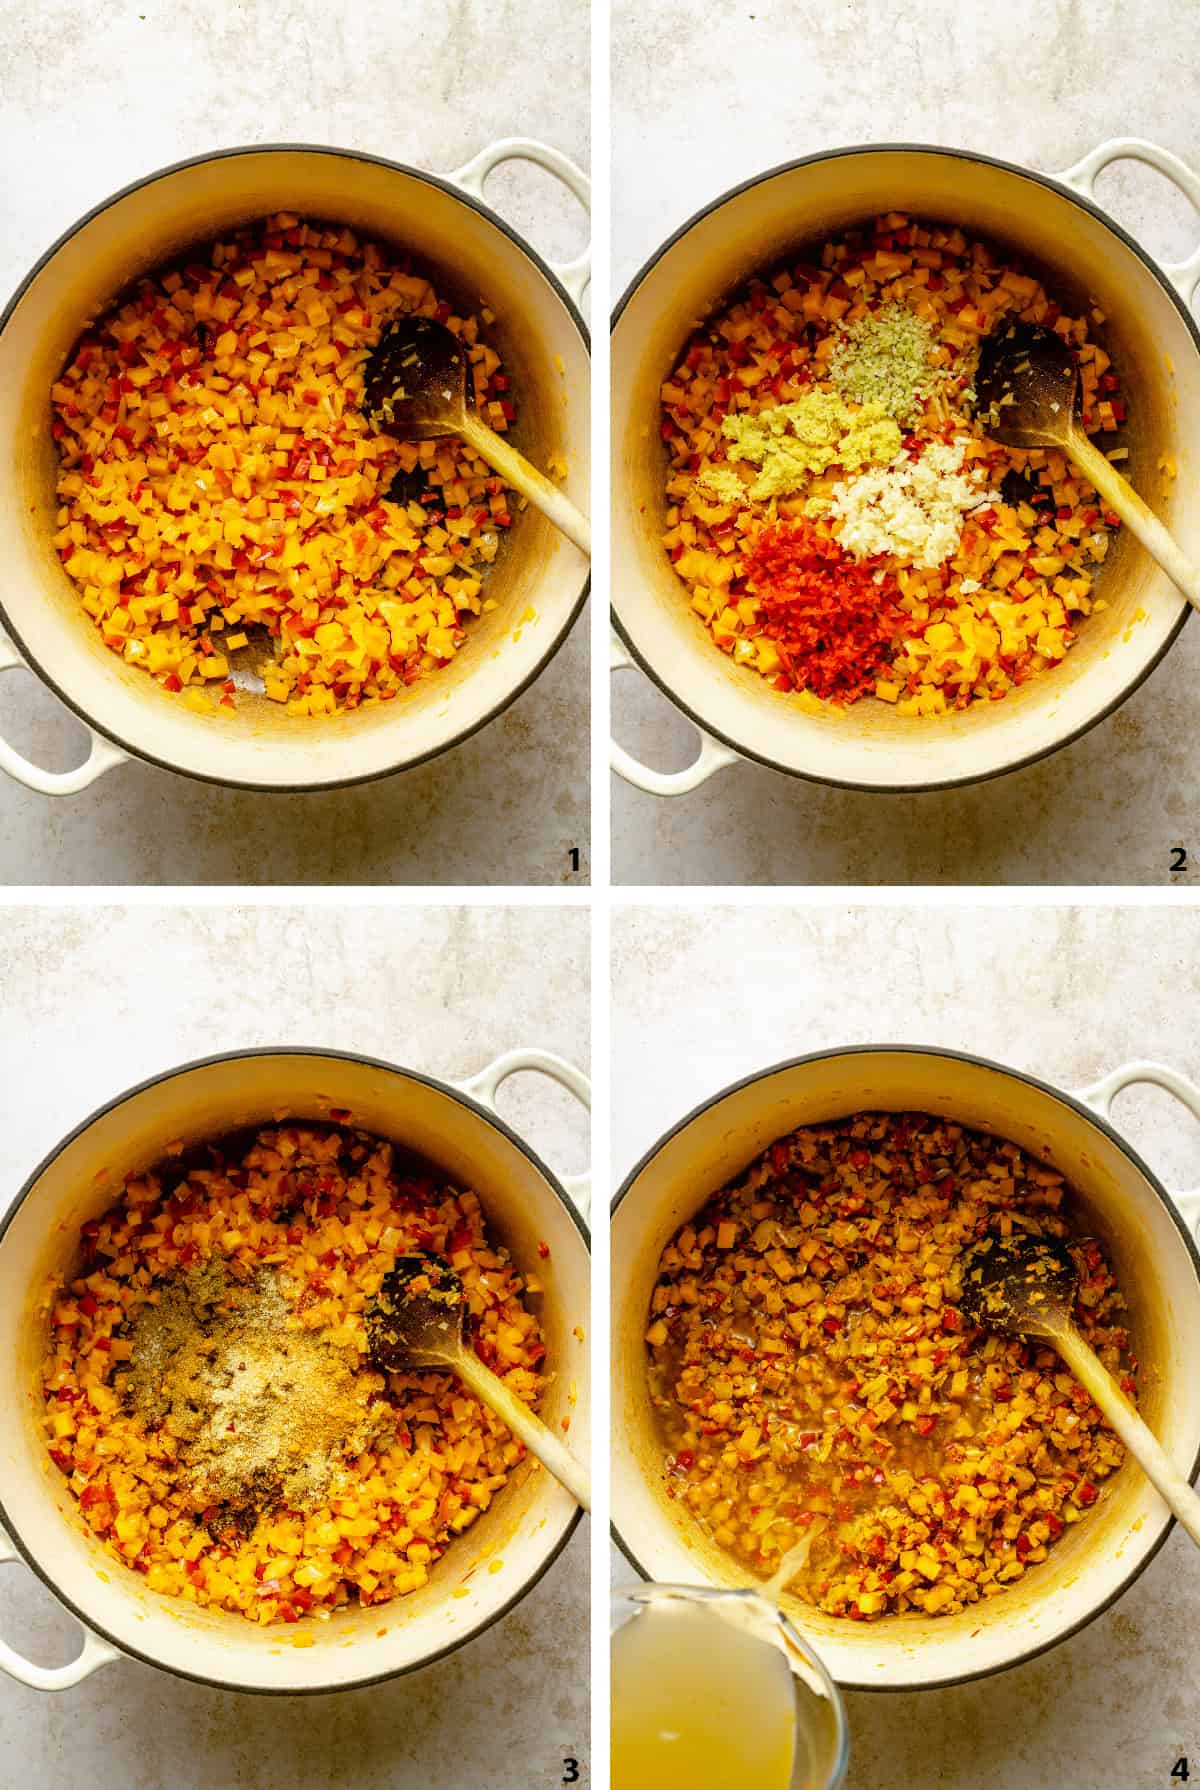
448, 991
708, 96
92, 97
704, 997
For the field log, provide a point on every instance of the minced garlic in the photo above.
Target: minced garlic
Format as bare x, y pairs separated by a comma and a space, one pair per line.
912, 509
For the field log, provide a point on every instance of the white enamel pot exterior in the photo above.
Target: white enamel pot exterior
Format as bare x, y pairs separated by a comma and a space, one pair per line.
490, 1566
1085, 256
539, 581
1150, 1238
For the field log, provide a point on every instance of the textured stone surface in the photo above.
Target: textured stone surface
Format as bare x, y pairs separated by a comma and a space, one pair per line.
702, 998
442, 990
426, 85
707, 97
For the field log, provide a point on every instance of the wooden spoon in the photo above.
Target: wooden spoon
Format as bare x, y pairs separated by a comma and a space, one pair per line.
1026, 1286
249, 663
416, 1320
1027, 396
415, 386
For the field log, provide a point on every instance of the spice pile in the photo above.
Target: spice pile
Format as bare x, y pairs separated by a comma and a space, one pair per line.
814, 1377
839, 395
263, 1414
216, 471
208, 1391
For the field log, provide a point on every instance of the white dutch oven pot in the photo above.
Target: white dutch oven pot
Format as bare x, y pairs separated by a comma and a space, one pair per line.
1084, 255
490, 1567
539, 580
1147, 1231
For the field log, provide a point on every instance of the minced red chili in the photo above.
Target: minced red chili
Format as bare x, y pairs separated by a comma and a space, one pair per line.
833, 618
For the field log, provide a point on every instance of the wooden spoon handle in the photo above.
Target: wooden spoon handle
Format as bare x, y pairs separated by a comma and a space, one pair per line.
525, 1425
1141, 1442
516, 471
1120, 496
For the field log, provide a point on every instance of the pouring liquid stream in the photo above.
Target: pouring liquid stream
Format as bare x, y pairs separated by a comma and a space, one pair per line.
705, 1694
794, 1561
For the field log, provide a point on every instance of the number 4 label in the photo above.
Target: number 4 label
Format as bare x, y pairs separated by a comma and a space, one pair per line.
1180, 1772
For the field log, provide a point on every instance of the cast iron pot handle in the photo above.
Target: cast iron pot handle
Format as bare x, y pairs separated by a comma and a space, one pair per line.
1184, 275
576, 274
102, 756
712, 756
1102, 1094
93, 1654
486, 1085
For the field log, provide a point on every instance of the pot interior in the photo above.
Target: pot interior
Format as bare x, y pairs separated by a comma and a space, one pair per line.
1095, 1559
490, 1565
536, 581
1080, 257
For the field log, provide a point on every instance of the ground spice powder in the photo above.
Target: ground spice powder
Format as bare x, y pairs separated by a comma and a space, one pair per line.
263, 1411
